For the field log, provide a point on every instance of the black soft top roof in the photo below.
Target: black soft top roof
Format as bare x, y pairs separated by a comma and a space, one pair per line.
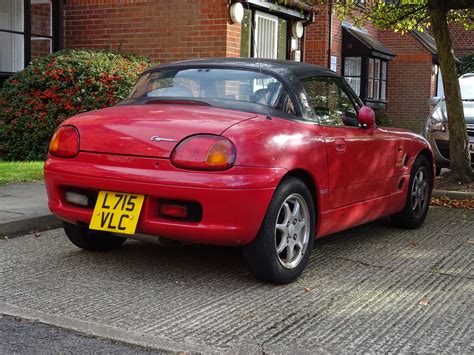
279, 67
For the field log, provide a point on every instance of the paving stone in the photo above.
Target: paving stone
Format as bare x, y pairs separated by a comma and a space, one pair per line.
374, 288
24, 208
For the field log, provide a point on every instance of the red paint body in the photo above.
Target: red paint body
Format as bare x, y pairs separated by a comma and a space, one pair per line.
356, 172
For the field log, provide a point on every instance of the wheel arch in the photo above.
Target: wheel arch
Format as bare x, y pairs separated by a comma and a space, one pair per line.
312, 185
429, 155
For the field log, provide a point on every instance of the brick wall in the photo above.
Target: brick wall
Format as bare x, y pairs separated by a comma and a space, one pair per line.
317, 34
163, 30
410, 81
184, 29
463, 40
316, 39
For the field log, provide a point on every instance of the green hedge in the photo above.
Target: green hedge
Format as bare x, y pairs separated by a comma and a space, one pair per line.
467, 64
36, 100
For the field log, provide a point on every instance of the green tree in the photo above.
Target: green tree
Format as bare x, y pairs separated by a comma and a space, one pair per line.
406, 15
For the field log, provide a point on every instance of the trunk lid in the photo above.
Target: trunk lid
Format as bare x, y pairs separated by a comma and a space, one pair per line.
129, 129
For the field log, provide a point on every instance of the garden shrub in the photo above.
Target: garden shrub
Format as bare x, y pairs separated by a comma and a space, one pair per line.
466, 65
36, 100
382, 118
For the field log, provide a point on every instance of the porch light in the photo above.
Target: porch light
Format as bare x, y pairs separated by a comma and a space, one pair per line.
298, 29
236, 12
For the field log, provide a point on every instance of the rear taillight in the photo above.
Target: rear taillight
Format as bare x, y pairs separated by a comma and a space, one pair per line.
65, 142
204, 152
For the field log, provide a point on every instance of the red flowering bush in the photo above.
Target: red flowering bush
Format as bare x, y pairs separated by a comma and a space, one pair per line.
36, 100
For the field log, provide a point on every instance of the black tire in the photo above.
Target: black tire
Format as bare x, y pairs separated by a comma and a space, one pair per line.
438, 171
412, 216
261, 255
90, 240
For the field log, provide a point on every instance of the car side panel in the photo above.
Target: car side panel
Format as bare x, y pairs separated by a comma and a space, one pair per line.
360, 164
409, 145
287, 144
346, 217
294, 145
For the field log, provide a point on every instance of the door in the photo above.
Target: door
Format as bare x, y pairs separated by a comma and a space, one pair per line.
266, 34
360, 163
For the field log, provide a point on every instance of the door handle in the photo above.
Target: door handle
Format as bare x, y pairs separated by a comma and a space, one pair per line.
340, 144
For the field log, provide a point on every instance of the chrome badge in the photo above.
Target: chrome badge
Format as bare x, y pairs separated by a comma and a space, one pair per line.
160, 139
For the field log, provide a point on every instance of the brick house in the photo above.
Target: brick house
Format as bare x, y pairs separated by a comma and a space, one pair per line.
389, 71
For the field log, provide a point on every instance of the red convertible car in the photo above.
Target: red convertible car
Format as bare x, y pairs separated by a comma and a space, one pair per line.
263, 154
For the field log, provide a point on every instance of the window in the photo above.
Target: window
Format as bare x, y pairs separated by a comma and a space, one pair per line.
12, 39
263, 35
330, 102
28, 30
222, 87
371, 86
383, 80
377, 79
352, 72
41, 27
365, 66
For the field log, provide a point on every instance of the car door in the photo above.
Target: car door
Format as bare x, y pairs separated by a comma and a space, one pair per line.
360, 162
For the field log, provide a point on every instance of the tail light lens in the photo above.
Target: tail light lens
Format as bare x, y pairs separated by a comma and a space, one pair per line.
65, 142
204, 152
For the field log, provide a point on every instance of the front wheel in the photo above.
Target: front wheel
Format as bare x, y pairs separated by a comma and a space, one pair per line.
90, 240
418, 196
283, 245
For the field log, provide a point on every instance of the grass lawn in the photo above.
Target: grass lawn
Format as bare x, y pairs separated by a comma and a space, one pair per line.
17, 171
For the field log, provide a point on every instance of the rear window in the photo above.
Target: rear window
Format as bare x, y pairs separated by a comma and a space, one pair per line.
213, 83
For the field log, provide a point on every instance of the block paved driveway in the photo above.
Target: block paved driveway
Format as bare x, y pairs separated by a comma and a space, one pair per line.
373, 288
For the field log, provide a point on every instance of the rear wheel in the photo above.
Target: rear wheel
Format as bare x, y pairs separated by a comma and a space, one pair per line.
90, 240
418, 197
283, 245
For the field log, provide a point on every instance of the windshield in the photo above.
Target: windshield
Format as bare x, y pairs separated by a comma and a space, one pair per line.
211, 84
467, 88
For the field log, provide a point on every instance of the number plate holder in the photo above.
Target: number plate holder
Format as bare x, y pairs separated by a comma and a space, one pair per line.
116, 212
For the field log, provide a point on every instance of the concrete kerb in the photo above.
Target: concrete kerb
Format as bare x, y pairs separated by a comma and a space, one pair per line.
26, 225
453, 195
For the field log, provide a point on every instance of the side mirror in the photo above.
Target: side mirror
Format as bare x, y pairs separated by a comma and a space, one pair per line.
366, 116
433, 101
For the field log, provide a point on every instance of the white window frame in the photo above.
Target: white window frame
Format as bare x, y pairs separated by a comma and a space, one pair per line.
353, 78
274, 19
377, 79
13, 58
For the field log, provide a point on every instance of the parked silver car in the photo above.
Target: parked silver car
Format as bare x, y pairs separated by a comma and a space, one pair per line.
436, 128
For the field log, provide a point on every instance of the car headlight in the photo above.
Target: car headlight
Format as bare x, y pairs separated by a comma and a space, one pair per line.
436, 123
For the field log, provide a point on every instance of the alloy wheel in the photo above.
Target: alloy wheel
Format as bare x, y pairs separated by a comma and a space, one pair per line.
419, 193
292, 231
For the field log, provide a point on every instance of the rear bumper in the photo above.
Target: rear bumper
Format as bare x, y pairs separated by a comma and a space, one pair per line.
233, 202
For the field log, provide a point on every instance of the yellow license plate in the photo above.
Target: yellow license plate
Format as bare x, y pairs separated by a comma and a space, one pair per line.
116, 212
